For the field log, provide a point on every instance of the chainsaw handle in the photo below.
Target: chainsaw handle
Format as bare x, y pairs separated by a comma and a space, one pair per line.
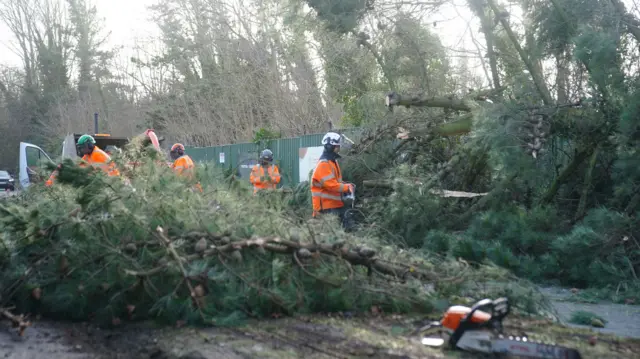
499, 308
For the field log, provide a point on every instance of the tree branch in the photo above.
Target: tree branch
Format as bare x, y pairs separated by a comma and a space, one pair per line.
422, 100
586, 186
564, 176
538, 78
355, 256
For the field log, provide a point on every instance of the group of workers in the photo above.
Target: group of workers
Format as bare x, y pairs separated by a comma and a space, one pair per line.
327, 187
92, 155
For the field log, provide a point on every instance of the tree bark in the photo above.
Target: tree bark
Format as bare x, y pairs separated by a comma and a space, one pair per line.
467, 103
422, 100
390, 184
586, 186
561, 76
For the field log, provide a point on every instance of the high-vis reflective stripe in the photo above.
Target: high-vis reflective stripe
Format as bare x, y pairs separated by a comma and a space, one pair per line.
325, 179
100, 159
184, 166
326, 195
258, 171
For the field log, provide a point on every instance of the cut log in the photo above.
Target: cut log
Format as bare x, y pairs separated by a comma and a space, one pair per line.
389, 184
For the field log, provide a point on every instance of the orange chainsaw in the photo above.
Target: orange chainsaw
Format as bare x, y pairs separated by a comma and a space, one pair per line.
479, 329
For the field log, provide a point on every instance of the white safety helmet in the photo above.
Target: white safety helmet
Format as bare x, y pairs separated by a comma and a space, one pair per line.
332, 138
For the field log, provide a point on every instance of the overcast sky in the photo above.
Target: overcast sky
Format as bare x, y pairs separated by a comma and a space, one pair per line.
129, 20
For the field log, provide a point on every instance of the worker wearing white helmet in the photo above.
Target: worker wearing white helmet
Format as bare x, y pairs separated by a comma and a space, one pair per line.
327, 186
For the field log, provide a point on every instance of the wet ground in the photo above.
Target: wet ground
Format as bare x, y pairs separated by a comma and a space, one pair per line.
301, 337
622, 320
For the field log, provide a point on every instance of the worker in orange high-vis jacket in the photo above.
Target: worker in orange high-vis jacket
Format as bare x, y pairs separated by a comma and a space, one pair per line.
327, 186
265, 175
183, 164
91, 155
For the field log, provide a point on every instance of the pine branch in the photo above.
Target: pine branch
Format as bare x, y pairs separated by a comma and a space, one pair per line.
360, 256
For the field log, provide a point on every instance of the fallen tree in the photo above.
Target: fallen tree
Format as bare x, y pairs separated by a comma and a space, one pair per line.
93, 247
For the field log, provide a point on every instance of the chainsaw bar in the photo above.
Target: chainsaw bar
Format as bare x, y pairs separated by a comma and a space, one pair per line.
529, 349
524, 348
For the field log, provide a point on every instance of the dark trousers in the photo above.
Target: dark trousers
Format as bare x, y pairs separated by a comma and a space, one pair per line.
343, 214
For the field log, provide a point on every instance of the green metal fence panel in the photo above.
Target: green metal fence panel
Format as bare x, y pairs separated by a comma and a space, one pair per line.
215, 155
287, 153
311, 140
198, 154
243, 156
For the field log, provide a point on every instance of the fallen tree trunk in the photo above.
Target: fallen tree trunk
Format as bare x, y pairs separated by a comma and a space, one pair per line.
361, 256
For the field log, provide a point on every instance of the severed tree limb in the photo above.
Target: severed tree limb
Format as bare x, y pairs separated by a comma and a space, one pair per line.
18, 321
459, 126
355, 256
467, 103
421, 100
390, 184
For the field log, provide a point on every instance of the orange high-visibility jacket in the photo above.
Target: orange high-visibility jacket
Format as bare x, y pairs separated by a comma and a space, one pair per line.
327, 186
258, 174
101, 159
97, 158
183, 166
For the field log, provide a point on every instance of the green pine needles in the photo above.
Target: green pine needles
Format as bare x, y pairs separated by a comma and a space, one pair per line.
95, 247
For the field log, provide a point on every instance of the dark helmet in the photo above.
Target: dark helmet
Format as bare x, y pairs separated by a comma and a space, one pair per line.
266, 156
177, 151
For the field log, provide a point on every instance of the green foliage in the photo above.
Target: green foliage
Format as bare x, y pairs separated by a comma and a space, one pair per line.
437, 241
265, 135
596, 253
586, 318
415, 57
96, 252
341, 16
